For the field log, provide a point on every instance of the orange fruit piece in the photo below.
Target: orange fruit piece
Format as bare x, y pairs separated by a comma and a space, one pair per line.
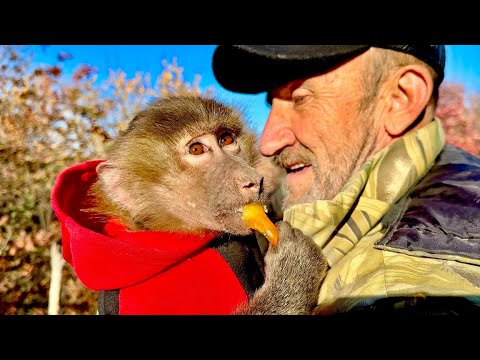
255, 218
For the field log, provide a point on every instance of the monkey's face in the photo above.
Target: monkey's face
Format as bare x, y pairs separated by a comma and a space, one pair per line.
218, 179
193, 184
184, 164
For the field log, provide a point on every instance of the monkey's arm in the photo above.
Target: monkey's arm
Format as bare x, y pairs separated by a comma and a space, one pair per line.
294, 271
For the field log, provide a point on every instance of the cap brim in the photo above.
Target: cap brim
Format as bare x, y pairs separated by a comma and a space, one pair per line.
253, 69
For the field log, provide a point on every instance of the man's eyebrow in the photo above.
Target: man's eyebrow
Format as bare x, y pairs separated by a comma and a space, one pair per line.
285, 90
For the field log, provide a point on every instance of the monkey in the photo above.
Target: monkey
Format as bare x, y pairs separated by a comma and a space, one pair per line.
187, 164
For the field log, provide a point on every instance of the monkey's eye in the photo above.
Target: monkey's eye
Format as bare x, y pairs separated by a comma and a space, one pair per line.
196, 149
226, 139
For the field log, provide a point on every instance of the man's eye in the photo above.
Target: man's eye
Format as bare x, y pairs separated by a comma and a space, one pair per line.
226, 139
299, 99
196, 149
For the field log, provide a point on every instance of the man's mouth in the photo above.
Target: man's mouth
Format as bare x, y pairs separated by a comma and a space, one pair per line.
297, 168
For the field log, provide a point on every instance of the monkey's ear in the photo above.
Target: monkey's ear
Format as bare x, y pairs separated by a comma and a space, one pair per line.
109, 176
112, 184
100, 167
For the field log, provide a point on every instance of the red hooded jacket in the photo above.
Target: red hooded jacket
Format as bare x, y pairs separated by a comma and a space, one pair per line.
149, 272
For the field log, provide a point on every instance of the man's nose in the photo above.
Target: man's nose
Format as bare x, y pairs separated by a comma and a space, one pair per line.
277, 132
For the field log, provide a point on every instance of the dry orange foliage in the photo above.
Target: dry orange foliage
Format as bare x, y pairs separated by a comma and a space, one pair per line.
46, 124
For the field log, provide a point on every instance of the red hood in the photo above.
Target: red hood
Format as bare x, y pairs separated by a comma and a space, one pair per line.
112, 257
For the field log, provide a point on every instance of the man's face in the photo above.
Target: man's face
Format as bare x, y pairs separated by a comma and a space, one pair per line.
317, 133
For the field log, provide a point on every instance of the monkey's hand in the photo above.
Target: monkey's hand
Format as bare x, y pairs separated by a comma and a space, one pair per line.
294, 272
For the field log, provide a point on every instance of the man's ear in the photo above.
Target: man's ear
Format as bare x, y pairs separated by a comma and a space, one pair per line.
411, 88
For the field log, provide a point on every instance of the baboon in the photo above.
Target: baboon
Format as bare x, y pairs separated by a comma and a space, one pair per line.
186, 165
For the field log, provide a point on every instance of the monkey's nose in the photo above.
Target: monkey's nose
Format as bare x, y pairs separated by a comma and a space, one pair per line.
252, 187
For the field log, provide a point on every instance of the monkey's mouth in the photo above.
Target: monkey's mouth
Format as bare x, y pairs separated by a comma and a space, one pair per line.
231, 221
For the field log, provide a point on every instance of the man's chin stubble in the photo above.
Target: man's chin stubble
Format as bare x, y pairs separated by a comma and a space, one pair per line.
322, 190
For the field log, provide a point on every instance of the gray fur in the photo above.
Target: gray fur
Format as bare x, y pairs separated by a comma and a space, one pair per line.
294, 271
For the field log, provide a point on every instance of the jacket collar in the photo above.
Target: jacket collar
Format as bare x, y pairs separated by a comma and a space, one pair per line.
337, 225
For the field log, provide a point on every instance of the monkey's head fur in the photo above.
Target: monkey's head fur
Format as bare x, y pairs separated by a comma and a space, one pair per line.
185, 164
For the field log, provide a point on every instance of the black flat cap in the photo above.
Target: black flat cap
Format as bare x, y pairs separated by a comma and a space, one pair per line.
253, 69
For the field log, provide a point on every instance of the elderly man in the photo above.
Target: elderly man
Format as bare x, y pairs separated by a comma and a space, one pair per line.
368, 173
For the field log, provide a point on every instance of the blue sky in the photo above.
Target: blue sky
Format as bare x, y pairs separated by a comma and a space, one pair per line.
462, 66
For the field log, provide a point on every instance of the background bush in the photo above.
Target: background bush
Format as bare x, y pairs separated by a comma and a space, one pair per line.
46, 125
